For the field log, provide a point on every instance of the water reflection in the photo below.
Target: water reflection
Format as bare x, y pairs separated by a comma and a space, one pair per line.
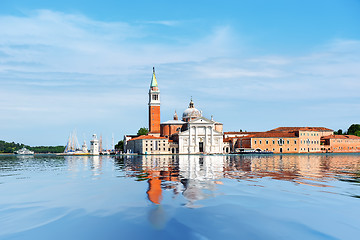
187, 196
197, 177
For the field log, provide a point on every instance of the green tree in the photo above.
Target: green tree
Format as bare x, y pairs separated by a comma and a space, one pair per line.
354, 129
338, 132
143, 131
120, 145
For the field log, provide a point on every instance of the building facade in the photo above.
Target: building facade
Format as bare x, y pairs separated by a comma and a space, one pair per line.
340, 143
283, 140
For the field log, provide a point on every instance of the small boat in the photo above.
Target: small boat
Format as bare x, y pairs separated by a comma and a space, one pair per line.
24, 151
252, 151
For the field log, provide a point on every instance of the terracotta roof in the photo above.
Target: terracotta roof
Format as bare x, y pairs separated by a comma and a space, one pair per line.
272, 134
146, 137
340, 137
288, 129
239, 132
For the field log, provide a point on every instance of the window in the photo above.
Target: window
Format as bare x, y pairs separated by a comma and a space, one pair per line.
295, 149
254, 141
267, 142
288, 149
259, 141
294, 141
281, 141
288, 142
273, 141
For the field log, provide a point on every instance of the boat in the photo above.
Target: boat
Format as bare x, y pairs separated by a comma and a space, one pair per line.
72, 147
24, 151
252, 151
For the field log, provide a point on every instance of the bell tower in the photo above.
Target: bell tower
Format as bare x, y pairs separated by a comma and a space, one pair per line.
154, 107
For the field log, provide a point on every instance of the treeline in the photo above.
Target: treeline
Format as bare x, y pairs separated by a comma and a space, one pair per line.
354, 129
6, 147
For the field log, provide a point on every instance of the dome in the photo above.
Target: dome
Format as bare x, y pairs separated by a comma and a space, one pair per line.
191, 112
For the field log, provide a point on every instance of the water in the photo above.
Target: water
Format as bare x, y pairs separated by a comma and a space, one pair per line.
180, 197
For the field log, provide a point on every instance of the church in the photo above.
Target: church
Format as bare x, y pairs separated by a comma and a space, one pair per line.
192, 134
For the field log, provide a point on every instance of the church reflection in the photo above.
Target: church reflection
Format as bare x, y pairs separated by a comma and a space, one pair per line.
198, 177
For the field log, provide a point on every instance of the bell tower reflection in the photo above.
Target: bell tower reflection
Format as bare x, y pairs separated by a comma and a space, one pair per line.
154, 192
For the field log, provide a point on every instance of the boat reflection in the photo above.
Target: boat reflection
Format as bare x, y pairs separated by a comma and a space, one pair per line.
197, 177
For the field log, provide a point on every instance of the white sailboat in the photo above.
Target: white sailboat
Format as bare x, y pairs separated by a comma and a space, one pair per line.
72, 146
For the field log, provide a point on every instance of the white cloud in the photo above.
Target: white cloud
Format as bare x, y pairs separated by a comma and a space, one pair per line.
55, 63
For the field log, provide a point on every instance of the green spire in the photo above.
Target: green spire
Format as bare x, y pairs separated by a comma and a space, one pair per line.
153, 80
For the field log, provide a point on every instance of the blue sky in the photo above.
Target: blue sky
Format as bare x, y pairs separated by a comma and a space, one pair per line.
254, 65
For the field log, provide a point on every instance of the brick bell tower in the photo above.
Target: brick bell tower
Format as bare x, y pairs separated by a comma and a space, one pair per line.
154, 107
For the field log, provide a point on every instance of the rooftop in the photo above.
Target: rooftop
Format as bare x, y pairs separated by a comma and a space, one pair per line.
174, 122
272, 135
146, 137
315, 129
341, 137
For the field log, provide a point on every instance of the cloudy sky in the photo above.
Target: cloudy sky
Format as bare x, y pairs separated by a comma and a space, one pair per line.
253, 64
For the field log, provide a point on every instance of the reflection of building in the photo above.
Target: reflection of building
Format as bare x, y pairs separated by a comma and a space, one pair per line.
197, 177
340, 143
192, 134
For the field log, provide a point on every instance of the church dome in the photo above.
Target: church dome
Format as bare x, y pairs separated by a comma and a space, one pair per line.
191, 112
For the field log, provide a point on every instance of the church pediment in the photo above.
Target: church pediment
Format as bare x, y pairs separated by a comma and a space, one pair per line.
201, 120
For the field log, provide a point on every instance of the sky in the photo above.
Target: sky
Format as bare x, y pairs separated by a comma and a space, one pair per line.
253, 64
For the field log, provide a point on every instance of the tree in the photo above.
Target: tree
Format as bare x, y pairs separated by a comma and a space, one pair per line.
120, 145
143, 131
354, 129
338, 132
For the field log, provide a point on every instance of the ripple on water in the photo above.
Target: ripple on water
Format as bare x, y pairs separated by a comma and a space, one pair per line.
180, 197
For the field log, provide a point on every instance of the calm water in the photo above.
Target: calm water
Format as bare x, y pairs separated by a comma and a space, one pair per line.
180, 197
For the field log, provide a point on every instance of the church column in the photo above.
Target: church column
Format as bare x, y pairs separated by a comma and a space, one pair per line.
205, 141
212, 138
189, 145
195, 148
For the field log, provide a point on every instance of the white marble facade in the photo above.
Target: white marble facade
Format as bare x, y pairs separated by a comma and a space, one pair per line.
201, 137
